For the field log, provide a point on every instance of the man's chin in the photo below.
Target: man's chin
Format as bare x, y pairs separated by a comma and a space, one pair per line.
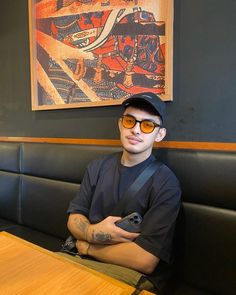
132, 150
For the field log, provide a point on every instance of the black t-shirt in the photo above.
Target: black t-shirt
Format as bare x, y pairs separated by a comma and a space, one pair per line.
158, 201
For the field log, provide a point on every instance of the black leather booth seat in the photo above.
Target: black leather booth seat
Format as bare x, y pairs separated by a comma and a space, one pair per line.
38, 180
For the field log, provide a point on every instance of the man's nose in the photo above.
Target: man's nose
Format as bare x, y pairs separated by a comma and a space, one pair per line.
136, 129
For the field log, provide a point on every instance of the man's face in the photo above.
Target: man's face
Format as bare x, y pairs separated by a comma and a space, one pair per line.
134, 141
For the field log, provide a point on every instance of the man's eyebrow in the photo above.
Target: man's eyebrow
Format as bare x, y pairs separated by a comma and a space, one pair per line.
146, 119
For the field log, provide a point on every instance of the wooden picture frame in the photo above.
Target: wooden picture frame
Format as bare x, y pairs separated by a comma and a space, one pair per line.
86, 53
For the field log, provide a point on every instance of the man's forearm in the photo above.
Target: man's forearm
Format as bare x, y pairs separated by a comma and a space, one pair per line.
78, 226
104, 232
125, 254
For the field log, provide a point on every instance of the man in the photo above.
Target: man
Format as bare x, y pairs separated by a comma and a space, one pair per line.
125, 255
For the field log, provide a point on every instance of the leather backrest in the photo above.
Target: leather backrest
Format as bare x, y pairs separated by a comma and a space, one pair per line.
9, 180
206, 177
206, 237
60, 161
9, 196
207, 258
44, 203
10, 156
51, 174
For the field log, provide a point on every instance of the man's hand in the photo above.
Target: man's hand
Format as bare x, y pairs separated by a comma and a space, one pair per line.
82, 247
106, 232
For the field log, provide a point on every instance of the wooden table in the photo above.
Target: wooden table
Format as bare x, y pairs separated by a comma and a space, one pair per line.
27, 269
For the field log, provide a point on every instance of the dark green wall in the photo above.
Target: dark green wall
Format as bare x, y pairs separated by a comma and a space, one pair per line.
204, 79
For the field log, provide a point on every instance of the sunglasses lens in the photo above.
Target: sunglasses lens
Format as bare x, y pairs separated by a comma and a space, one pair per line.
147, 126
128, 122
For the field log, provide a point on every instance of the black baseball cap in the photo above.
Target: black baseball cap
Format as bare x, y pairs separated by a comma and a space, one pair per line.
150, 98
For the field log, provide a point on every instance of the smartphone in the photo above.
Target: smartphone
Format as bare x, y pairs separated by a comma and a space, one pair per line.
130, 222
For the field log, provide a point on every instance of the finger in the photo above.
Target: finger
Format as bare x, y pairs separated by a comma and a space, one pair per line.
127, 234
114, 218
131, 236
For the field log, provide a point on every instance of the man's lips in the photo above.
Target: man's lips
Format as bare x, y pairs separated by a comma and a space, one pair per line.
133, 139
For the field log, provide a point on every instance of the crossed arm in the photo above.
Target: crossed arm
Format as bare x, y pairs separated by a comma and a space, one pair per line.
108, 243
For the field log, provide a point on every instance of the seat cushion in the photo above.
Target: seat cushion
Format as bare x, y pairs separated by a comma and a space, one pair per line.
4, 224
46, 241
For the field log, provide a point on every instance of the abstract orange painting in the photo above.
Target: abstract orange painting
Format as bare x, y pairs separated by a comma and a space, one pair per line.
95, 53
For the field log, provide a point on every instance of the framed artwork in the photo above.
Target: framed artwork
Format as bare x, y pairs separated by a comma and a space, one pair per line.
87, 53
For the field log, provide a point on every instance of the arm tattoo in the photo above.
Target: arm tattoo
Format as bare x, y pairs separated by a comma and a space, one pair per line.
101, 237
82, 225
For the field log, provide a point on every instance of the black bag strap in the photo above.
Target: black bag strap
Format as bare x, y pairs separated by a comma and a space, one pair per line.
137, 185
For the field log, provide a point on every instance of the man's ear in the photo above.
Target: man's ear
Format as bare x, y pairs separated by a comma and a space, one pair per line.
161, 134
119, 124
